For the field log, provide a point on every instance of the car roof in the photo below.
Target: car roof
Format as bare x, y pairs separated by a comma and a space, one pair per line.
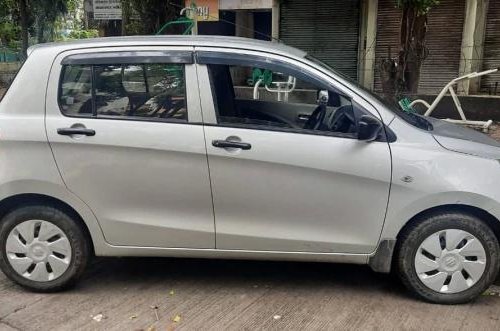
177, 40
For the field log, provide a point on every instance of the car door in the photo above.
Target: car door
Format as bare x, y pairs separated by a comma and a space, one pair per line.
122, 127
279, 187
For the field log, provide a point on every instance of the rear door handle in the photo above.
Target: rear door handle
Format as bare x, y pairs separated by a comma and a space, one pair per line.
231, 144
75, 131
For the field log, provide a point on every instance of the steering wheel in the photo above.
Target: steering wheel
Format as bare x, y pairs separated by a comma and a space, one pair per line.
316, 119
343, 120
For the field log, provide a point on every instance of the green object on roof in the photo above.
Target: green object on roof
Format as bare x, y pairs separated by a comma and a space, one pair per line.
180, 21
405, 105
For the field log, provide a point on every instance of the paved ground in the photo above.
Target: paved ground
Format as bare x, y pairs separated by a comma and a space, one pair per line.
117, 294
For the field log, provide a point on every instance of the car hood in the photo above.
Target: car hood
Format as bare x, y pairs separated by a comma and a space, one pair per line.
464, 140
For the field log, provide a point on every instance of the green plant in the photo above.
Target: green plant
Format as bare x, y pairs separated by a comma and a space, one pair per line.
8, 32
83, 34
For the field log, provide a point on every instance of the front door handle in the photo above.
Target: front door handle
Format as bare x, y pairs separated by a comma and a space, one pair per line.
231, 144
303, 117
76, 131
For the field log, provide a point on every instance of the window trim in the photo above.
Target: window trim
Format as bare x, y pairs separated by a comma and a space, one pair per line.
250, 60
271, 128
94, 114
129, 57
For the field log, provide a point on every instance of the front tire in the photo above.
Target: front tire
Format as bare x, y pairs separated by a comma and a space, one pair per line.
42, 248
448, 258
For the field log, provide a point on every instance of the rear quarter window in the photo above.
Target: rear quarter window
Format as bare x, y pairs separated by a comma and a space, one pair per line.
75, 92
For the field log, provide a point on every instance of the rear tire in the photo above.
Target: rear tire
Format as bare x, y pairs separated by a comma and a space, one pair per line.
54, 253
456, 254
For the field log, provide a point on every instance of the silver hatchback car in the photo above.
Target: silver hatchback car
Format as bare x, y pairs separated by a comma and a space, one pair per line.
221, 147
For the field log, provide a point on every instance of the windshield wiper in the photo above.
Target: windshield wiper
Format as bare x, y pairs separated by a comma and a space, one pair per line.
417, 120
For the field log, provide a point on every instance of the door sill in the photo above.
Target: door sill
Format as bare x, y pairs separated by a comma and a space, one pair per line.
110, 250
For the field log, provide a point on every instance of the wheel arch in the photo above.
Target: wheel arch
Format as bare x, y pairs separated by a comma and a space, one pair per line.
383, 258
12, 202
491, 221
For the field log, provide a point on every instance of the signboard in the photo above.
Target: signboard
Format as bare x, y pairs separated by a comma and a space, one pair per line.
245, 4
208, 10
107, 9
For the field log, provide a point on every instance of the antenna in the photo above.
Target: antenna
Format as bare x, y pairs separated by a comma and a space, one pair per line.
193, 9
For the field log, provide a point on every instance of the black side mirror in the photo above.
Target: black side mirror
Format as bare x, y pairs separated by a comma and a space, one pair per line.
369, 128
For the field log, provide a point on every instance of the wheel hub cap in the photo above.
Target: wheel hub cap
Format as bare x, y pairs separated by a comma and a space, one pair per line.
450, 261
38, 250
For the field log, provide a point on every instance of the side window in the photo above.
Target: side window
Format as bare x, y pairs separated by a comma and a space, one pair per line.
125, 90
256, 97
75, 95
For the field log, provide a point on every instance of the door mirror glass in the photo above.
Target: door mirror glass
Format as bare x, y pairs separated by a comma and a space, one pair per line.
323, 97
368, 128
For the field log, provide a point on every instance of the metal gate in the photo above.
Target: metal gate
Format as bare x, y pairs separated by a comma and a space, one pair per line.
491, 84
326, 29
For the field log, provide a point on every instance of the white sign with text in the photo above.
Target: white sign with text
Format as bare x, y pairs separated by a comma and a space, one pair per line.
107, 9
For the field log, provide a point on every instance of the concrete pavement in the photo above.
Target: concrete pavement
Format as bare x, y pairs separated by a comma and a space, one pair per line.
120, 294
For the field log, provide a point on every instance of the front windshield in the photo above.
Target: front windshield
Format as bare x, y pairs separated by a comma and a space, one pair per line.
414, 119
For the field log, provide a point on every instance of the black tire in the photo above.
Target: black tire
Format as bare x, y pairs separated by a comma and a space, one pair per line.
414, 235
71, 228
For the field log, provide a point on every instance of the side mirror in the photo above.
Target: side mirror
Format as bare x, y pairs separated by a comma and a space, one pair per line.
323, 97
369, 128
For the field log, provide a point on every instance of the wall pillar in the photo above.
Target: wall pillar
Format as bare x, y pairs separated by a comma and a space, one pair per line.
244, 24
367, 43
275, 23
471, 58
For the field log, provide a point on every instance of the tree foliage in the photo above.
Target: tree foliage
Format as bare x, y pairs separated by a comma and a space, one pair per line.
152, 14
46, 12
21, 18
9, 31
422, 7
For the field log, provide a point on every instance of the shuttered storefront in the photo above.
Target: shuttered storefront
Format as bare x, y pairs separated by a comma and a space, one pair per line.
444, 42
492, 49
327, 29
387, 42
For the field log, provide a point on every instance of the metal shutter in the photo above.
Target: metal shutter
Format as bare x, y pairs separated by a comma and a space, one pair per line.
388, 22
444, 41
326, 29
492, 49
